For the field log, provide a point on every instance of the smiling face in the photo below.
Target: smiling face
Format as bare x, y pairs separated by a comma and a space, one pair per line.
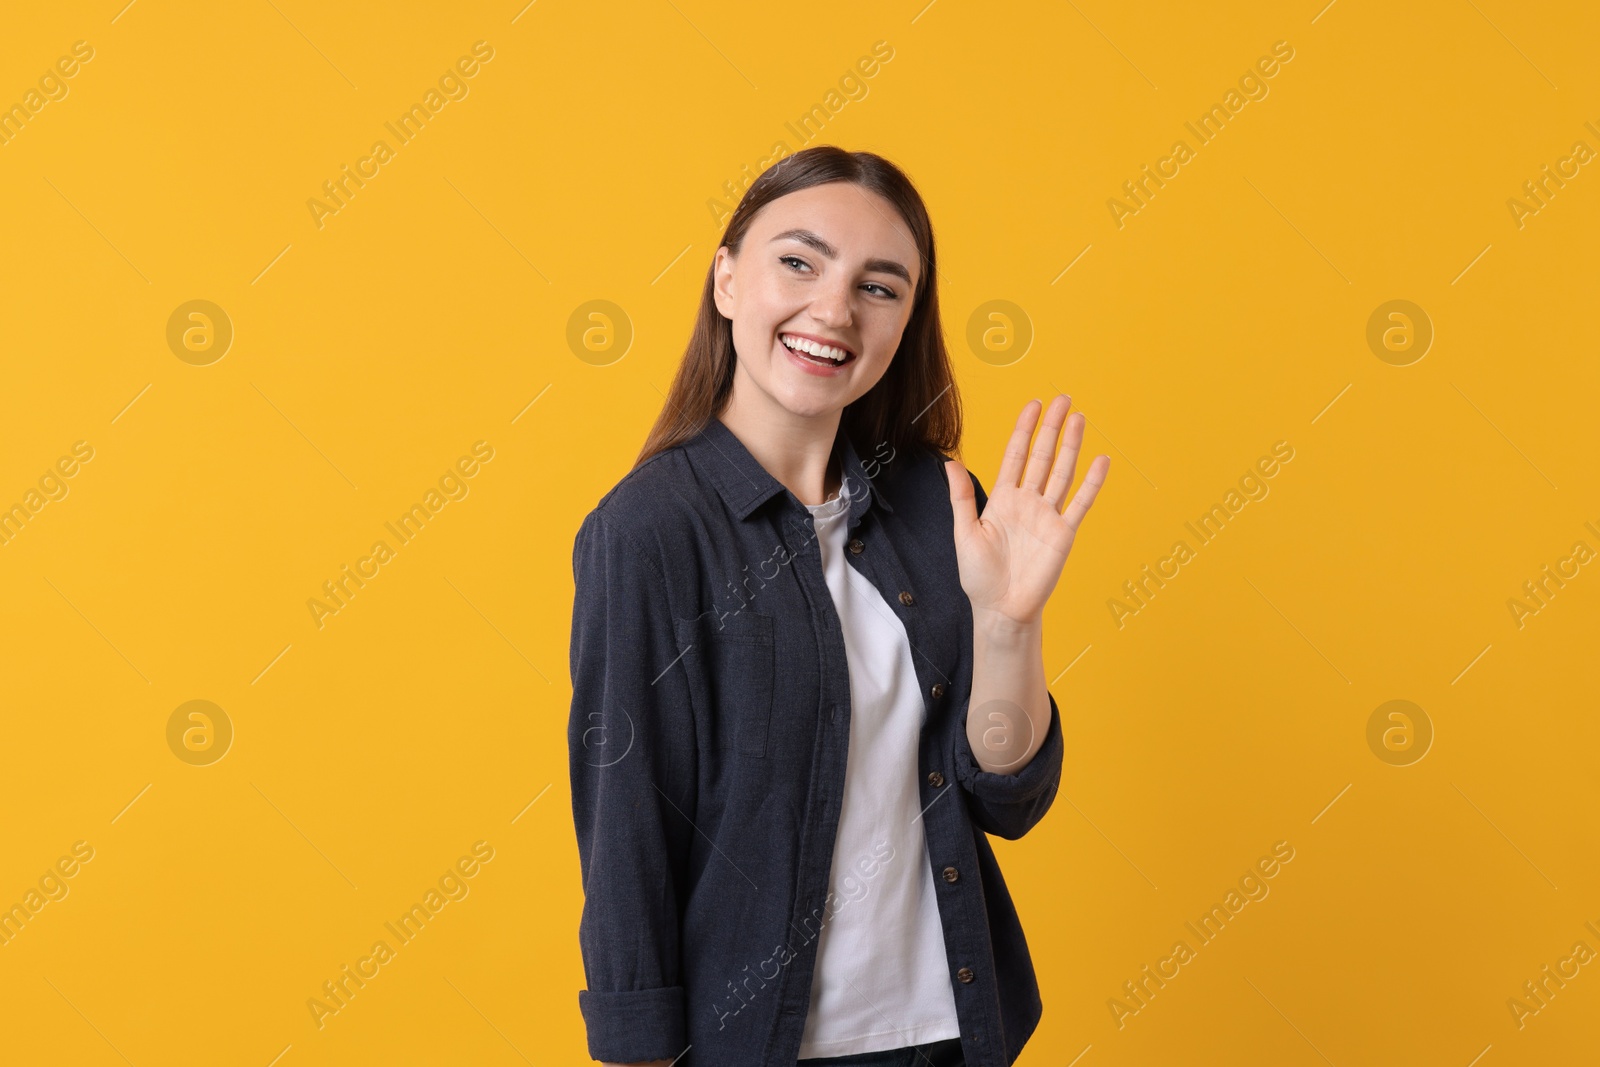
819, 294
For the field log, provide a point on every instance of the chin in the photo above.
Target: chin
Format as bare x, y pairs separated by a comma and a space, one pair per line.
801, 409
807, 403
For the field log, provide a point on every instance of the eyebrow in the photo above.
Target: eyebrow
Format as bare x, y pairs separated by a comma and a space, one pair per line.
806, 237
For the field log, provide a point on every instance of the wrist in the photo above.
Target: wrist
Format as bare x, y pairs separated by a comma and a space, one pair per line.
999, 628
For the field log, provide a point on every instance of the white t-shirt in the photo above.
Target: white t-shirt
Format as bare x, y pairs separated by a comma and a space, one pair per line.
882, 978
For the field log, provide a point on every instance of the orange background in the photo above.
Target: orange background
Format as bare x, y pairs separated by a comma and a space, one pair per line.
371, 753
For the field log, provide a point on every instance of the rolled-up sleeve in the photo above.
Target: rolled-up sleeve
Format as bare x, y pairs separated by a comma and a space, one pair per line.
1009, 805
631, 753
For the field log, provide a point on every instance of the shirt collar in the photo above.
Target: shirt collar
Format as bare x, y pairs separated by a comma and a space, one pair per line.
745, 484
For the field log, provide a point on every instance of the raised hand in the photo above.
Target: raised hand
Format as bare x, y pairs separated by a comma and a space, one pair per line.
1011, 557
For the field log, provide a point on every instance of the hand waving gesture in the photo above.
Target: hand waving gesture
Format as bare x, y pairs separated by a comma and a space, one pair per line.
1011, 557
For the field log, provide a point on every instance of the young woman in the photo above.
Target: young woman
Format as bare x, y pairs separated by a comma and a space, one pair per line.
807, 669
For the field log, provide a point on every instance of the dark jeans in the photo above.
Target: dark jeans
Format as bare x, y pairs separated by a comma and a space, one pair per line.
937, 1054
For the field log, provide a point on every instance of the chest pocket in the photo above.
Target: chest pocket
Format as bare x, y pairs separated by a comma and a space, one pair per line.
730, 665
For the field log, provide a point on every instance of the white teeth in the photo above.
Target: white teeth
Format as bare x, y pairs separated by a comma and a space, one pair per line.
838, 355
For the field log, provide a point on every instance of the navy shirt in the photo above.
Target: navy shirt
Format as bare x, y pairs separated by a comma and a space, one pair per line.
709, 727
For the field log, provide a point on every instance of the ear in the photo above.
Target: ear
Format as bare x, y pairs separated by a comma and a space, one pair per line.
722, 281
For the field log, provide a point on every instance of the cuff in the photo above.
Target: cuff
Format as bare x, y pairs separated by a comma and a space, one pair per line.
1033, 781
641, 1024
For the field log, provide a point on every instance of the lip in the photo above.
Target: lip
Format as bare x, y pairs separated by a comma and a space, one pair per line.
806, 365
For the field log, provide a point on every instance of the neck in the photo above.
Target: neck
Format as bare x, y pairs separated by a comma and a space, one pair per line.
796, 450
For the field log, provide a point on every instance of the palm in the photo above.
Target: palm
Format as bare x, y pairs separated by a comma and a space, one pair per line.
1011, 557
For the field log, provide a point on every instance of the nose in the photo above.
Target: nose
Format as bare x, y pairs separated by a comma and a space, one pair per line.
834, 304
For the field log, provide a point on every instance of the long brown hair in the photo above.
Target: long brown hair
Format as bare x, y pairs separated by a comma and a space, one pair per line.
914, 404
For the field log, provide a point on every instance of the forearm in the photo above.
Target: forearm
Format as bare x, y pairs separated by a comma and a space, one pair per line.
1009, 713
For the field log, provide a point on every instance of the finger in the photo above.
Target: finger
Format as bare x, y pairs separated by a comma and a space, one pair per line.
963, 498
1017, 446
1066, 468
1043, 453
1087, 492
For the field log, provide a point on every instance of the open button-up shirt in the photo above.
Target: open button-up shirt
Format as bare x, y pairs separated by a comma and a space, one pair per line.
707, 742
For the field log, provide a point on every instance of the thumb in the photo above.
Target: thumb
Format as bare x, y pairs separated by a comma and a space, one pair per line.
963, 500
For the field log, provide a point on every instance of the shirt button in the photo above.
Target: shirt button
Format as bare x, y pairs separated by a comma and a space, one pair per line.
935, 779
937, 690
951, 874
907, 599
965, 974
856, 547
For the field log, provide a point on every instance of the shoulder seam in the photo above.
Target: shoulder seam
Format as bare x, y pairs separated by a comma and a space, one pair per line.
621, 532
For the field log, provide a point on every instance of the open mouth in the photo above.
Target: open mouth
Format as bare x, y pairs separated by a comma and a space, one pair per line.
816, 352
